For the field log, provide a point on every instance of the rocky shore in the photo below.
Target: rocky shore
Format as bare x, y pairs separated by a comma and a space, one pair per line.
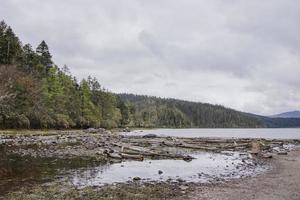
105, 145
112, 147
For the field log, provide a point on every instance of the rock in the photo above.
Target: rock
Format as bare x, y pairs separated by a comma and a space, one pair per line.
111, 151
282, 153
91, 130
136, 178
95, 130
182, 187
126, 129
188, 158
160, 172
267, 155
150, 136
102, 130
179, 180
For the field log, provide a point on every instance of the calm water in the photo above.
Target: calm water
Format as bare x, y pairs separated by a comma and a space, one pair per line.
206, 167
16, 171
270, 133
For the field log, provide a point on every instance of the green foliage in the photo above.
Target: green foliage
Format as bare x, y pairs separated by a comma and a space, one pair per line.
34, 93
10, 46
158, 112
45, 57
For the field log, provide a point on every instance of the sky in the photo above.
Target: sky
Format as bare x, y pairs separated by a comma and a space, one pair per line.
238, 53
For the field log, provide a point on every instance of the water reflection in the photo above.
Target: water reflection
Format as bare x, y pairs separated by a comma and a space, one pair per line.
204, 168
16, 170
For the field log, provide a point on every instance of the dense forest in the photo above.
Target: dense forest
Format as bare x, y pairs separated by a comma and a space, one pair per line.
165, 112
36, 93
161, 112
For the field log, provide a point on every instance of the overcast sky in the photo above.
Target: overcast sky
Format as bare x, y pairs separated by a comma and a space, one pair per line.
239, 53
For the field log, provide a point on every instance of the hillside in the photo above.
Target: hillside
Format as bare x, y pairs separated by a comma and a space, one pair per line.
153, 111
203, 115
292, 114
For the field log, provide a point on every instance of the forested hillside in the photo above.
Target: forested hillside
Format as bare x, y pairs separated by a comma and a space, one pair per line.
159, 112
36, 93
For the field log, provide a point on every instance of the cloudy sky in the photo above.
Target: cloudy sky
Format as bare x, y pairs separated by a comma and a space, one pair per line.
239, 53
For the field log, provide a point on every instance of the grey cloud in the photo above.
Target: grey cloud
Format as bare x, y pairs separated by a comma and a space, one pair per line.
242, 54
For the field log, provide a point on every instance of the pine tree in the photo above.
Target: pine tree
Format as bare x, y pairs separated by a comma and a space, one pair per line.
45, 57
10, 45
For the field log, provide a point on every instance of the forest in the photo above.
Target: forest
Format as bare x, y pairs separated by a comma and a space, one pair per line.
35, 93
163, 112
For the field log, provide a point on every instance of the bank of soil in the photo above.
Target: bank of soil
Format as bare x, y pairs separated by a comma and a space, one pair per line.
281, 183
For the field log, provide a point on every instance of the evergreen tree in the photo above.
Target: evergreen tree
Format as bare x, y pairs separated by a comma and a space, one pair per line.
10, 46
45, 57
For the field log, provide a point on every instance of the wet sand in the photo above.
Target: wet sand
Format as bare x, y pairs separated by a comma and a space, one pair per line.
281, 183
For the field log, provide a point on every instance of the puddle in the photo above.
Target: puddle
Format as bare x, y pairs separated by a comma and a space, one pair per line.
16, 171
205, 168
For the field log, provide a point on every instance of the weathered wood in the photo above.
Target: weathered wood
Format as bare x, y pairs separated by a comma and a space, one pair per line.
130, 156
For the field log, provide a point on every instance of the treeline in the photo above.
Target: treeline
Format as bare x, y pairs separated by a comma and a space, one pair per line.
281, 122
160, 112
165, 112
35, 93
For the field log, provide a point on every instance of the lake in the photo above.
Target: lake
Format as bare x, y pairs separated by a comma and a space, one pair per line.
268, 133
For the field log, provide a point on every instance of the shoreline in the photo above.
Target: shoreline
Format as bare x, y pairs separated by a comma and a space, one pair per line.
280, 183
114, 148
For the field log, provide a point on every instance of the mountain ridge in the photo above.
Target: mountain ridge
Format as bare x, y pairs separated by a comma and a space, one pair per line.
289, 114
221, 116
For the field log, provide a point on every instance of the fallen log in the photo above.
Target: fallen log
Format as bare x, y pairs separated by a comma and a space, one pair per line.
188, 146
134, 157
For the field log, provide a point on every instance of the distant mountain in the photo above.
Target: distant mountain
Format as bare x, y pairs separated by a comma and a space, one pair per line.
292, 114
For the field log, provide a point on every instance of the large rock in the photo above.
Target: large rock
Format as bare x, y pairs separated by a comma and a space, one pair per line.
136, 178
267, 155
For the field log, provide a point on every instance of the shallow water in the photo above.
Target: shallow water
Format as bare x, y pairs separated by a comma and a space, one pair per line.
206, 167
16, 171
269, 133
